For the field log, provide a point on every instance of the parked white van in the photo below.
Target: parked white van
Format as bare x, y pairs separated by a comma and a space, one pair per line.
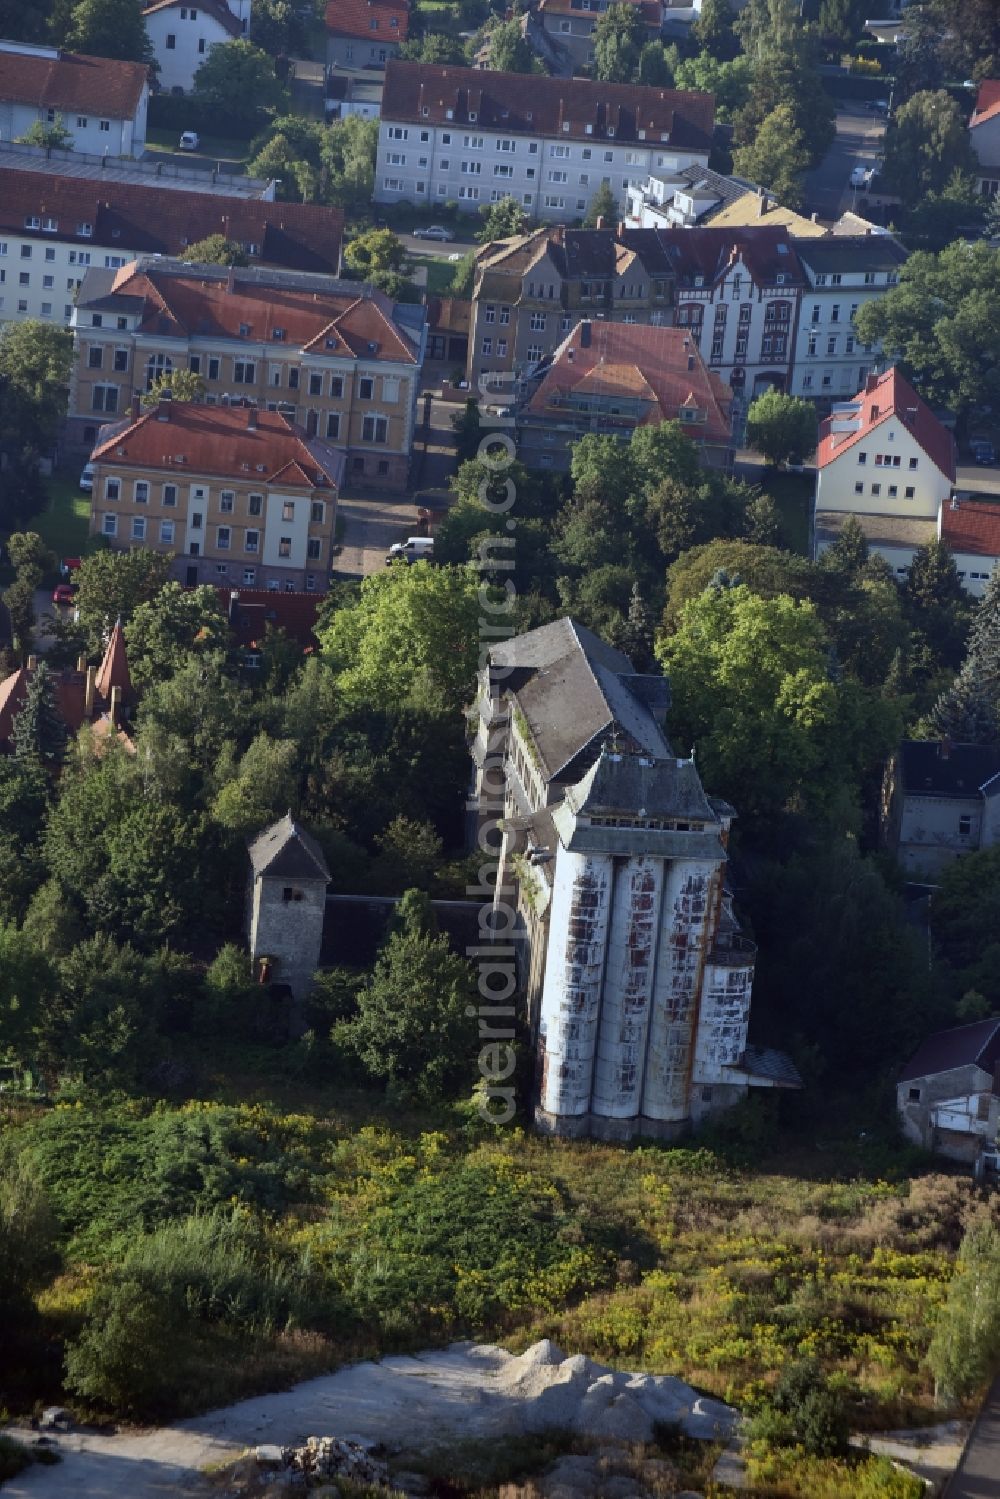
413, 549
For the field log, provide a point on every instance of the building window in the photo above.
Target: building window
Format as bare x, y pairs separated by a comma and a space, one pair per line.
317, 512
138, 528
366, 388
859, 488
167, 531
141, 492
336, 387
196, 520
965, 826
112, 489
375, 429
914, 1095
222, 538
110, 526
876, 489
121, 360
333, 424
95, 357
288, 510
862, 458
252, 542
908, 492
104, 398
227, 501
171, 41
255, 504
244, 372
913, 464
284, 546
105, 126
249, 576
314, 549
487, 346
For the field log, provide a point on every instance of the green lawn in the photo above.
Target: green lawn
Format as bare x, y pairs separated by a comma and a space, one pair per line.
793, 495
213, 147
65, 524
440, 274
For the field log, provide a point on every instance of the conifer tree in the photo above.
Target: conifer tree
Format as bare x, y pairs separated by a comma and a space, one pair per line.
39, 729
969, 711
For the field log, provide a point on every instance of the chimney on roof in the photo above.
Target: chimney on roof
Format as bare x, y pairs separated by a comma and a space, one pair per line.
871, 383
762, 205
32, 662
163, 409
690, 361
600, 222
115, 706
585, 333
251, 419
911, 415
814, 217
81, 664
136, 407
88, 692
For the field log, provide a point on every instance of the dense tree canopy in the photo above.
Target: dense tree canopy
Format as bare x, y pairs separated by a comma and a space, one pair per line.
926, 143
618, 40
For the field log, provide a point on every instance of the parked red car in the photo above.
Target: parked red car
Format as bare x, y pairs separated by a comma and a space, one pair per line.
62, 594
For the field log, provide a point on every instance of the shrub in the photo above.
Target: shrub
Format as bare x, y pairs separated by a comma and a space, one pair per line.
805, 1411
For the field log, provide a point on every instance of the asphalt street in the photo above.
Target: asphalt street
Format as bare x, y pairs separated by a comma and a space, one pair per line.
978, 1473
857, 143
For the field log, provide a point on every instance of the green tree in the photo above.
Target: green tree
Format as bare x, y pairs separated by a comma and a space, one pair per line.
39, 728
99, 1027
782, 427
936, 603
781, 52
113, 585
411, 636
618, 40
31, 559
51, 922
730, 82
468, 431
178, 385
416, 1026
239, 80
509, 51
777, 156
50, 135
216, 249
409, 855
27, 988
964, 1354
433, 47
969, 711
654, 70
964, 913
278, 29
603, 208
35, 364
174, 623
502, 220
109, 28
21, 22
376, 256
926, 142
942, 324
713, 30
263, 789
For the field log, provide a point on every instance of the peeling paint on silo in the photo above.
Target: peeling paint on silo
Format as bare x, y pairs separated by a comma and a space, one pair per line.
628, 988
723, 1020
684, 915
574, 978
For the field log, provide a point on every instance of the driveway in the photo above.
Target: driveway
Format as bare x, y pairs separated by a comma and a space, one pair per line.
858, 142
373, 523
978, 1474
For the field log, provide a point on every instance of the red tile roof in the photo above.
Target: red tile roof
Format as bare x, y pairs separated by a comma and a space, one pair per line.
987, 101
766, 250
113, 671
974, 527
70, 689
180, 437
377, 20
885, 396
140, 219
217, 9
71, 82
652, 11
659, 365
251, 610
345, 324
519, 103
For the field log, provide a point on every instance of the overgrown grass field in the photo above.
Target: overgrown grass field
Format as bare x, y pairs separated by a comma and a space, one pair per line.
255, 1246
65, 522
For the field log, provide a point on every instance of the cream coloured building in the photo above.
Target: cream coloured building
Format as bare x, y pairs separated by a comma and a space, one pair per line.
338, 358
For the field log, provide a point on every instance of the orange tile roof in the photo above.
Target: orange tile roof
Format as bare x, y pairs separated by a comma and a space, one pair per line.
70, 691
660, 365
113, 671
378, 20
233, 442
521, 103
652, 11
352, 326
973, 527
884, 396
72, 82
987, 102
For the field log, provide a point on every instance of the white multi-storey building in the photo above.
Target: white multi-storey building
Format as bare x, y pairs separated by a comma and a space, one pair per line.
100, 102
885, 459
59, 218
472, 137
182, 36
841, 273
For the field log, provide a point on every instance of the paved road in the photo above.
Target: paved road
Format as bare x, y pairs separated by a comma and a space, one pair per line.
978, 1474
374, 522
858, 142
458, 246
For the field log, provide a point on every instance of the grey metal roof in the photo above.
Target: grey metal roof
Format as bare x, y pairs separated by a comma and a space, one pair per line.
930, 768
856, 252
546, 644
286, 850
961, 1046
636, 786
770, 1065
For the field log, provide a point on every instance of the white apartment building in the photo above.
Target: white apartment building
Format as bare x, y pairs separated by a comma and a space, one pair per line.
102, 103
842, 273
183, 35
55, 226
472, 136
885, 459
984, 137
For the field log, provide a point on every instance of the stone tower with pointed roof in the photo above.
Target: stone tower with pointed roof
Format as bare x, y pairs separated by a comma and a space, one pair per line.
286, 904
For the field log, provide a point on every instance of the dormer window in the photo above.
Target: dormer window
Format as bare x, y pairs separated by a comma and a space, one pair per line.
50, 225
473, 116
244, 330
278, 334
565, 127
373, 25
611, 130
85, 230
32, 222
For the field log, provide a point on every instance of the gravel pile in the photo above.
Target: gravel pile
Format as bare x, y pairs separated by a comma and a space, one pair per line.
331, 1457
